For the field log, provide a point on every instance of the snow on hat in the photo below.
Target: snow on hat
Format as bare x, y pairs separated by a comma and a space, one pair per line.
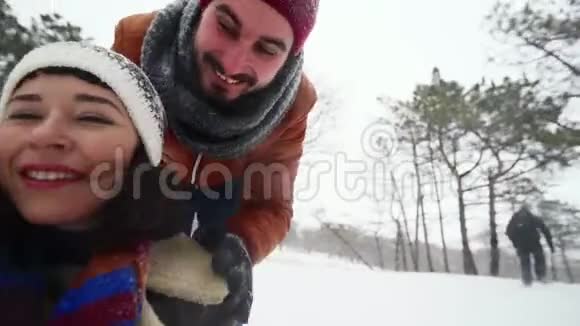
125, 78
300, 14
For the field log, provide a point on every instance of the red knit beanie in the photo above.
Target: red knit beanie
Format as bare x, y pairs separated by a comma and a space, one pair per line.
301, 15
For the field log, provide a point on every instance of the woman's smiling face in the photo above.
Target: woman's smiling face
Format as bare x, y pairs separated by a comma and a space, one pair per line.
57, 129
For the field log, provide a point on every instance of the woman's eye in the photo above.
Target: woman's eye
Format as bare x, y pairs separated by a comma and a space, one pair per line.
24, 116
95, 119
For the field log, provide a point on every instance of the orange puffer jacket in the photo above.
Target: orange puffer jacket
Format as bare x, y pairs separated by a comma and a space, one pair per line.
268, 170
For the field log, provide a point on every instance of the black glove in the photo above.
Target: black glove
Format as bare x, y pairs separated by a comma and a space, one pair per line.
552, 249
231, 261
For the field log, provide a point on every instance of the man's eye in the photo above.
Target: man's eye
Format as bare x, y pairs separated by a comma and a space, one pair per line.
267, 49
227, 26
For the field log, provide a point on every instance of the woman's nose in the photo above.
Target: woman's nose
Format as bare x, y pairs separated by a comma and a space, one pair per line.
50, 133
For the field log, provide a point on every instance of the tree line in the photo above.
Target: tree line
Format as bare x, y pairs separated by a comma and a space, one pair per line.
493, 139
17, 39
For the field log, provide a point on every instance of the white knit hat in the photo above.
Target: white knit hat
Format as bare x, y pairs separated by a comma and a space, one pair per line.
125, 78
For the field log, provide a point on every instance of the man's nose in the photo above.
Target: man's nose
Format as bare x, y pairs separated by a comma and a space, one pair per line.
235, 60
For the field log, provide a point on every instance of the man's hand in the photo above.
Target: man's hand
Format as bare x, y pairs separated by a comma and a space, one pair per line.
232, 262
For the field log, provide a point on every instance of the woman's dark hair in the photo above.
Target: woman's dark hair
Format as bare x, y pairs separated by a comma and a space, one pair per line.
124, 219
64, 71
143, 210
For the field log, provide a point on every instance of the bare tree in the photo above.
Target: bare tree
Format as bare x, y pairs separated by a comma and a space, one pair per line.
400, 250
399, 200
452, 163
417, 219
426, 236
564, 223
321, 119
439, 208
439, 113
336, 232
378, 242
415, 141
547, 36
445, 111
514, 128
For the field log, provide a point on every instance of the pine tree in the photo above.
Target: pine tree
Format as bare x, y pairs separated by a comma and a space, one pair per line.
546, 34
17, 39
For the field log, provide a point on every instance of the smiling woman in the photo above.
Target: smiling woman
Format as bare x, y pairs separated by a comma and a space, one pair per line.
62, 126
81, 118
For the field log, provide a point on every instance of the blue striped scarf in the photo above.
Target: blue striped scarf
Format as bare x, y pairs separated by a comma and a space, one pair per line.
108, 291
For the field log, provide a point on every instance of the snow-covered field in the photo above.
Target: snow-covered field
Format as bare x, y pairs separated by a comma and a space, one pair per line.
302, 289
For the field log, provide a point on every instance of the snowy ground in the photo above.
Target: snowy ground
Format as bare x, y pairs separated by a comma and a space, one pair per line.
297, 289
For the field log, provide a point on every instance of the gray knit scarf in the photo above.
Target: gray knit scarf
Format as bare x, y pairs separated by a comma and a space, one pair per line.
168, 58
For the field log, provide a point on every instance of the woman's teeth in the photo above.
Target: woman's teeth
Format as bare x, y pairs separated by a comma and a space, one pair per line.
49, 176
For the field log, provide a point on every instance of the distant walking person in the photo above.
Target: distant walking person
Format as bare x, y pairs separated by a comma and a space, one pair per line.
522, 230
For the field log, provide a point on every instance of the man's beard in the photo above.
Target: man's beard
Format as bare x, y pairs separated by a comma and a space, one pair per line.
216, 65
216, 96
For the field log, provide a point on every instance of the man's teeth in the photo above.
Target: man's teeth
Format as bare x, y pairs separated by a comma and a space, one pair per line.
227, 79
49, 176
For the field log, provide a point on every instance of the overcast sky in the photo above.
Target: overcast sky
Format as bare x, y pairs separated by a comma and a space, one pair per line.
387, 46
